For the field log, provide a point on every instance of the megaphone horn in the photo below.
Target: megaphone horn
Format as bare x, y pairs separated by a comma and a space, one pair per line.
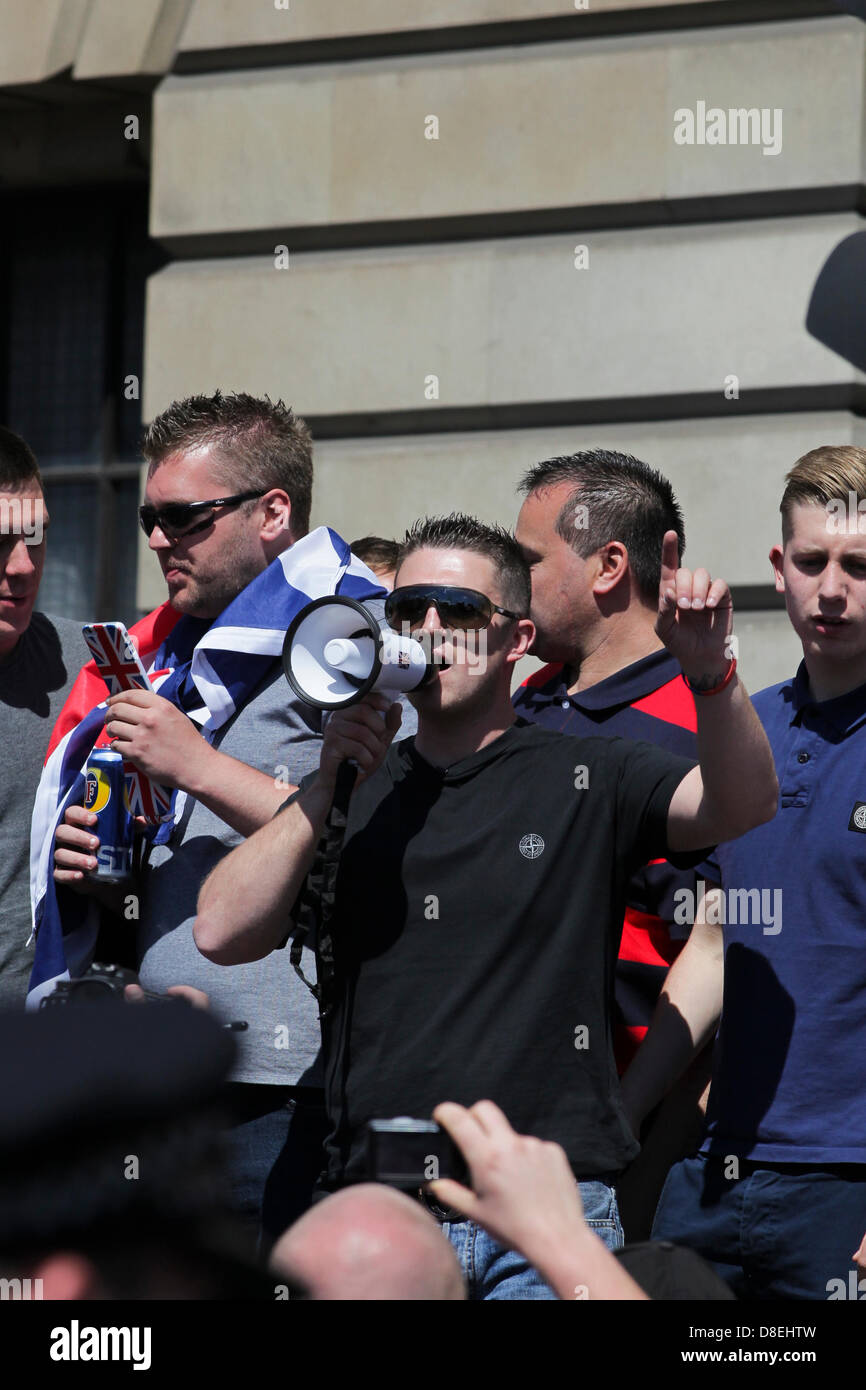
335, 653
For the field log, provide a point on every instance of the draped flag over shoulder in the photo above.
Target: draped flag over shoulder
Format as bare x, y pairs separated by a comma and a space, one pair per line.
207, 670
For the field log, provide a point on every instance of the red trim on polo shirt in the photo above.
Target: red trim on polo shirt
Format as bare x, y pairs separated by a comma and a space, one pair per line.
544, 674
646, 939
673, 703
626, 1043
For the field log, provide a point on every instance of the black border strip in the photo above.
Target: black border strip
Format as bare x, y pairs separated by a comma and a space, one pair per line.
703, 405
756, 598
454, 37
718, 208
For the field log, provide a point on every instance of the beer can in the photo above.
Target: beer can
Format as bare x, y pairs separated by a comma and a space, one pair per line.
105, 794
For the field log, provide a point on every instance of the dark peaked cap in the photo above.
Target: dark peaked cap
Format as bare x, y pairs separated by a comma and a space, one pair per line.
84, 1088
70, 1072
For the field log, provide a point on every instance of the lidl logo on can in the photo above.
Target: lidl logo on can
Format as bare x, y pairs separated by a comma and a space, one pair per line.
97, 790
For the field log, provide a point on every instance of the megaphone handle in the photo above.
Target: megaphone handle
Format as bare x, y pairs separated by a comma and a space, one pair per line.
347, 774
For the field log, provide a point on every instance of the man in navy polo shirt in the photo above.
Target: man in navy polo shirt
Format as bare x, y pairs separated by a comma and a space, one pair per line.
591, 528
776, 1198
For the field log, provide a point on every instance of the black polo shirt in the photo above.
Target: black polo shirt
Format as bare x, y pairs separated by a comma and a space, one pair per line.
477, 917
646, 700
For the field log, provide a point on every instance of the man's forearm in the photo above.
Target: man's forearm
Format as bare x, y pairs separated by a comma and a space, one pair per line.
580, 1266
685, 1019
244, 904
736, 761
240, 795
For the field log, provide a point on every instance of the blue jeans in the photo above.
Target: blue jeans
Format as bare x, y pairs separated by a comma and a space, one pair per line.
492, 1272
777, 1231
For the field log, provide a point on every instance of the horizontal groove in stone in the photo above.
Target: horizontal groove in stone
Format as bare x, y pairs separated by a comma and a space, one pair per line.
756, 598
780, 400
451, 38
726, 207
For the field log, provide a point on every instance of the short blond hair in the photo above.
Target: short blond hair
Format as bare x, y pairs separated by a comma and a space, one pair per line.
824, 475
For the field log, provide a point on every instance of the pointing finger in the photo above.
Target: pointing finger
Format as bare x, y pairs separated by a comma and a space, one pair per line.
670, 560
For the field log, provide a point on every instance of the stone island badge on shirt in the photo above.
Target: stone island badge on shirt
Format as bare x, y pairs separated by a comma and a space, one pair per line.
858, 818
531, 846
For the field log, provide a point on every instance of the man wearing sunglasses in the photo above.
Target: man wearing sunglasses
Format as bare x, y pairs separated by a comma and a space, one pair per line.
228, 491
473, 925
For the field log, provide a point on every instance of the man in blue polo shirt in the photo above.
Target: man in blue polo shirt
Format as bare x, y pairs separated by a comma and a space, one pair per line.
776, 1198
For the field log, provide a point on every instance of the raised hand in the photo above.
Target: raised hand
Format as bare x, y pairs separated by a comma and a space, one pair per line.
695, 618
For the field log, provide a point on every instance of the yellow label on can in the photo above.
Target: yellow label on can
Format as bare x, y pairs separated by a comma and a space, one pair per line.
97, 790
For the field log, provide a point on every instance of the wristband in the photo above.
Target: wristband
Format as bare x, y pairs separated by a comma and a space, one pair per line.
716, 689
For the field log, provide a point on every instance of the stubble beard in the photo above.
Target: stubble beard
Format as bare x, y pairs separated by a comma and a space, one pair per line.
207, 597
467, 706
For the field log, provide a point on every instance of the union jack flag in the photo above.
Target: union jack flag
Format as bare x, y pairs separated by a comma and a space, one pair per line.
146, 798
120, 666
116, 659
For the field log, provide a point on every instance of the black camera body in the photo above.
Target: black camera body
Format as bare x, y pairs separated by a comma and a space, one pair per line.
407, 1153
100, 982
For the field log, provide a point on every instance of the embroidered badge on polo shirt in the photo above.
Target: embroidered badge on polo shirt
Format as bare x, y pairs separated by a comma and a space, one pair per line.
531, 846
858, 818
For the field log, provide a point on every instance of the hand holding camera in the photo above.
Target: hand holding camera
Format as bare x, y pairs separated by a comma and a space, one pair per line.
107, 982
522, 1188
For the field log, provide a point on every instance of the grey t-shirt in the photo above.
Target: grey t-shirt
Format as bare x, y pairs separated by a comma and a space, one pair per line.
272, 731
34, 682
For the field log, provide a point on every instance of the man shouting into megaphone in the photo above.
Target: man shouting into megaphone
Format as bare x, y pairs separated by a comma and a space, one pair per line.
473, 925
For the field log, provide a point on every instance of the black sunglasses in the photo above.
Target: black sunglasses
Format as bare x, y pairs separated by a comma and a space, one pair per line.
463, 609
174, 518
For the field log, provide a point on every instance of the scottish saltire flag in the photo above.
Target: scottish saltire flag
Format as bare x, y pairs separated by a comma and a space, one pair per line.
207, 670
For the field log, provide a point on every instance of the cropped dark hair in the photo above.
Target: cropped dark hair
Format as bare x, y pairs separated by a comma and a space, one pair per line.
614, 497
376, 552
257, 444
18, 464
460, 532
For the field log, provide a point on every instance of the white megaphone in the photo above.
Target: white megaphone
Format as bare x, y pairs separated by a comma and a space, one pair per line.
335, 653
